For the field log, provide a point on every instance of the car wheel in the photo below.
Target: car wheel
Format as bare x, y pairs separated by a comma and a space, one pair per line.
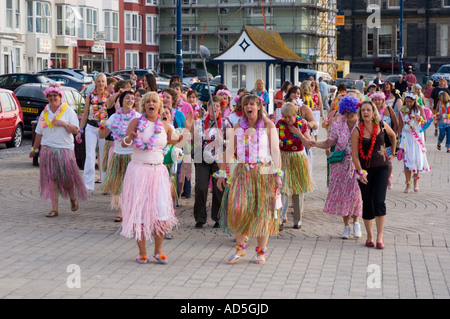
17, 137
377, 69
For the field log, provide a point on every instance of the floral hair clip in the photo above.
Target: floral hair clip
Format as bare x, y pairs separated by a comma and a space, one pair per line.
359, 104
223, 91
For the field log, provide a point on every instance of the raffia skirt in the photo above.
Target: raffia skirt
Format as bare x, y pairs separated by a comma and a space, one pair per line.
60, 175
297, 179
146, 201
117, 166
249, 203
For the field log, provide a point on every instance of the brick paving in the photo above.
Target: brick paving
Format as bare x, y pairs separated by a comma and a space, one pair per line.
313, 262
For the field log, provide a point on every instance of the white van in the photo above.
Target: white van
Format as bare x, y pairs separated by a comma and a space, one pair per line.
304, 74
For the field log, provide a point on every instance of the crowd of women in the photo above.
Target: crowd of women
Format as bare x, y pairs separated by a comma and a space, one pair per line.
255, 163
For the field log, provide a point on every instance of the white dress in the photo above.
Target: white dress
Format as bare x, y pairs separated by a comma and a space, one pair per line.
412, 144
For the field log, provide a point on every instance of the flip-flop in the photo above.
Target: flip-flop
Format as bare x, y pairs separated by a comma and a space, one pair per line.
52, 213
142, 260
168, 236
160, 258
118, 219
439, 147
234, 258
260, 260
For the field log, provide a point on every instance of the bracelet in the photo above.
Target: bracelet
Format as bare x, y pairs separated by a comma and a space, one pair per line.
80, 130
279, 172
124, 142
36, 150
360, 173
220, 174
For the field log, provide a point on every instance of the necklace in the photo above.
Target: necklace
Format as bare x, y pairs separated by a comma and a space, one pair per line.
283, 137
210, 123
445, 110
367, 157
248, 143
45, 122
142, 124
120, 124
99, 113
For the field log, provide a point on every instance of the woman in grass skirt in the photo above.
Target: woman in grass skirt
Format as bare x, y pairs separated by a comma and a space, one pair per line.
59, 173
146, 199
294, 137
117, 125
251, 199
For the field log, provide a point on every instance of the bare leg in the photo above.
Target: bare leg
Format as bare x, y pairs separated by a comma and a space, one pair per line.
368, 223
379, 220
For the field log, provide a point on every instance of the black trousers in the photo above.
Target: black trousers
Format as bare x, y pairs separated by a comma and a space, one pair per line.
203, 173
374, 192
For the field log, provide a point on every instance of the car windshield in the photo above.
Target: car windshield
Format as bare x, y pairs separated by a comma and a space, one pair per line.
444, 69
30, 91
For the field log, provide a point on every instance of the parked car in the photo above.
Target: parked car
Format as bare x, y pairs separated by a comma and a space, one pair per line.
392, 78
33, 101
13, 80
69, 81
11, 119
127, 72
216, 80
442, 73
77, 73
350, 84
305, 74
195, 73
385, 65
202, 90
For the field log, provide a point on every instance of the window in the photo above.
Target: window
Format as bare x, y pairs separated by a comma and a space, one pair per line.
444, 39
111, 26
7, 102
65, 21
446, 3
38, 16
385, 40
222, 10
151, 27
89, 23
370, 41
257, 11
151, 2
238, 76
393, 4
12, 14
133, 27
189, 41
186, 8
9, 14
152, 60
17, 60
223, 39
131, 59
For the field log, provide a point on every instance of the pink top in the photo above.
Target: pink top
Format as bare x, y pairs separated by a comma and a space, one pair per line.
184, 107
156, 155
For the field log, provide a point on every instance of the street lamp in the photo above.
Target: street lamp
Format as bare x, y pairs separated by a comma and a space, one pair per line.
205, 54
400, 60
179, 60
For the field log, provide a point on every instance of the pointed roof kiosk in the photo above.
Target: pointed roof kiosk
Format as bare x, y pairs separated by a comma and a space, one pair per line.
255, 54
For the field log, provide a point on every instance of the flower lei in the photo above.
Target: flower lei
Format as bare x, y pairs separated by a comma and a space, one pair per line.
45, 122
367, 157
445, 109
283, 137
142, 124
248, 146
99, 113
120, 124
407, 120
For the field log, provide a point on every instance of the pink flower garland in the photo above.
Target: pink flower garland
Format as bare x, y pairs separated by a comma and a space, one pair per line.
142, 124
248, 146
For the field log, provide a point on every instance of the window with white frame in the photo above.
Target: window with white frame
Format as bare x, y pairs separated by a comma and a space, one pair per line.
132, 59
12, 14
152, 60
133, 27
151, 29
186, 8
376, 2
385, 40
257, 11
444, 39
89, 23
111, 21
370, 49
151, 2
188, 40
38, 17
65, 21
17, 60
446, 3
393, 4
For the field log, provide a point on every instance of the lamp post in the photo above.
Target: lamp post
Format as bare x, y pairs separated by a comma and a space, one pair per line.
400, 60
179, 60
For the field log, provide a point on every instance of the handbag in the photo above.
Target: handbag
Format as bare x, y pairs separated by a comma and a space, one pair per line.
387, 140
336, 157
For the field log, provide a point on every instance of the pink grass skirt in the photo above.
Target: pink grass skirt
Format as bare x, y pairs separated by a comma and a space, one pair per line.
146, 201
60, 175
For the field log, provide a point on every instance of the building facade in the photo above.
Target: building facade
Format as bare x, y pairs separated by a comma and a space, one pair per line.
425, 32
102, 35
306, 26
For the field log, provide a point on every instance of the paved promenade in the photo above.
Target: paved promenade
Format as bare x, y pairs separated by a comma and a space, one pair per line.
81, 254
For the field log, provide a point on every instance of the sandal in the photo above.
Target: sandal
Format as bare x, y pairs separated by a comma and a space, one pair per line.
168, 236
390, 181
416, 187
161, 258
73, 205
118, 219
235, 257
260, 255
439, 146
408, 183
52, 213
142, 260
